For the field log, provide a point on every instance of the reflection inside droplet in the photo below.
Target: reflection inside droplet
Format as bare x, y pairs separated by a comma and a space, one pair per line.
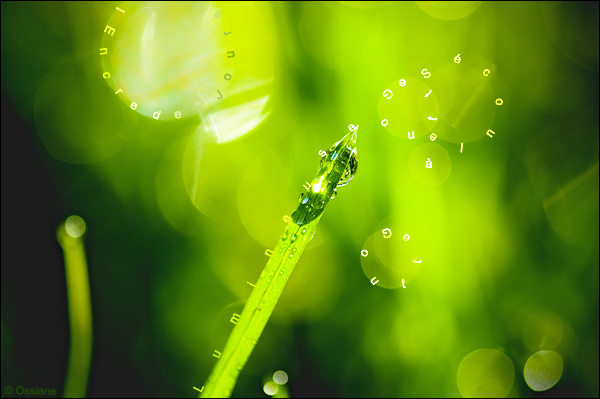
350, 170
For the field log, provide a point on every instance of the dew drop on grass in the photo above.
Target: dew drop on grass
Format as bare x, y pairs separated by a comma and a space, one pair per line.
303, 231
302, 198
350, 170
294, 237
285, 235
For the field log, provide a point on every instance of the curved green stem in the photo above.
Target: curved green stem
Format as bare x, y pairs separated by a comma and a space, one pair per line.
70, 239
337, 168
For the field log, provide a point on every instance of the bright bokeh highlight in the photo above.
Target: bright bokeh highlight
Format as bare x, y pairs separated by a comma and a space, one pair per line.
543, 370
270, 388
280, 377
217, 62
75, 226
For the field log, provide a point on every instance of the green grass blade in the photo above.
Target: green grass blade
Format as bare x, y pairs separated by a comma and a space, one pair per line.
336, 168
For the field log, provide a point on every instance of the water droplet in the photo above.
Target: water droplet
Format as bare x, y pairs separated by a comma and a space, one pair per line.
294, 236
350, 170
285, 235
291, 256
253, 342
333, 195
281, 272
239, 367
300, 197
303, 231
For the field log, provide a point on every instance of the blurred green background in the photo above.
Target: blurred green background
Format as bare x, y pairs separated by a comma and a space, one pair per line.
179, 212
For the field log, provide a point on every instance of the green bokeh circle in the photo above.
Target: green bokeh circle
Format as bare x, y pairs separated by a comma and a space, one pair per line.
485, 373
543, 370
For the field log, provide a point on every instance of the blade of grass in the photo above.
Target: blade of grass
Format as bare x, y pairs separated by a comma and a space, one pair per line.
70, 238
336, 168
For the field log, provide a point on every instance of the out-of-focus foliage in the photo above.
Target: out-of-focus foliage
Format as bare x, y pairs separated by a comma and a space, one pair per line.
179, 212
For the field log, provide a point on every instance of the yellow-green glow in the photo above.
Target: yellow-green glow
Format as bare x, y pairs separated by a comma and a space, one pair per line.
543, 370
485, 373
79, 304
505, 225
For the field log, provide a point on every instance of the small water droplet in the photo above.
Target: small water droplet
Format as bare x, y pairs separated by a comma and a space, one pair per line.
303, 231
253, 342
300, 197
281, 272
285, 235
333, 195
239, 367
294, 236
291, 256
